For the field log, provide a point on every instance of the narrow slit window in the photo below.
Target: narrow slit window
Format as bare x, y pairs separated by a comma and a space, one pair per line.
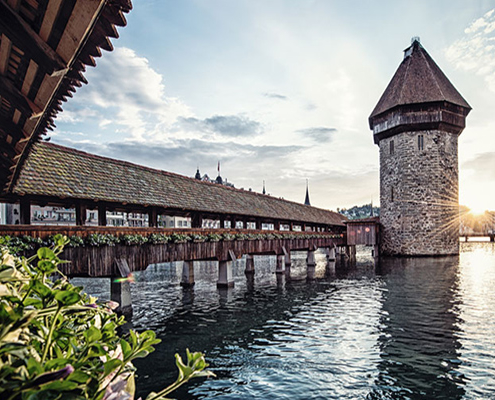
392, 147
391, 194
421, 142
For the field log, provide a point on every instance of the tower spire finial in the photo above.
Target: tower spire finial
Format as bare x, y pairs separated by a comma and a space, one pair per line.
306, 201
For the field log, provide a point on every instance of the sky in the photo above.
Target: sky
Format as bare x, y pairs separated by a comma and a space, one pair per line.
280, 91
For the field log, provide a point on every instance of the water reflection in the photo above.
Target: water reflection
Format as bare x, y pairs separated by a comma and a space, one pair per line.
419, 325
407, 329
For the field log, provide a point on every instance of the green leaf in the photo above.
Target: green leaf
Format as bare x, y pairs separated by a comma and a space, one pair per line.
46, 267
34, 367
61, 386
141, 354
40, 288
67, 297
79, 377
44, 253
96, 350
92, 334
126, 348
110, 365
56, 363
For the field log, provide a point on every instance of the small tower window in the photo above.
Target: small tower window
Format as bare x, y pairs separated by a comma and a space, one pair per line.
421, 142
392, 194
391, 147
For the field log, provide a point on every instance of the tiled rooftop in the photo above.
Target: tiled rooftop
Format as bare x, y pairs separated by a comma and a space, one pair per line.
61, 172
418, 80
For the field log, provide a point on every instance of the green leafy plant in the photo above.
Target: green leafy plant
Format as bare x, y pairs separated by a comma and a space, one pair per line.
228, 236
180, 238
131, 240
98, 239
196, 237
158, 238
75, 241
58, 343
214, 237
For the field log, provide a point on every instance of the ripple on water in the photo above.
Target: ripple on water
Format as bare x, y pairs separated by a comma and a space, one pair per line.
412, 328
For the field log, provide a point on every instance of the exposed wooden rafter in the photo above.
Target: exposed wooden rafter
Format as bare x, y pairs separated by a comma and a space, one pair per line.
17, 98
43, 55
21, 34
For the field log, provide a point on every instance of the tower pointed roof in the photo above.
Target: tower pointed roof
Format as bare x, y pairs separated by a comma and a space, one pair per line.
306, 201
418, 80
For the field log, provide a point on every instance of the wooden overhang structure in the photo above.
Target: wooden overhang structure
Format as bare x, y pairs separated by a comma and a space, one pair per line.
364, 231
45, 46
61, 176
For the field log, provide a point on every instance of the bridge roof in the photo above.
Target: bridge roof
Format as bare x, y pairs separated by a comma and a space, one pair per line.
61, 172
45, 46
418, 80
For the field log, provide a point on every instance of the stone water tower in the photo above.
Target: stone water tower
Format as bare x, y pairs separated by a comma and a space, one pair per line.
416, 124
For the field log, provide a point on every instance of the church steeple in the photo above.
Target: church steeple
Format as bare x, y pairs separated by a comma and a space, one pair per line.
306, 201
198, 175
264, 191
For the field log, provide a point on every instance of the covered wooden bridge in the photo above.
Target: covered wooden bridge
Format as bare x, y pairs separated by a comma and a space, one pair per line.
61, 176
45, 46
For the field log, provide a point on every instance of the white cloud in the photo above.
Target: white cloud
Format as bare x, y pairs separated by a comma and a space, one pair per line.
475, 52
125, 86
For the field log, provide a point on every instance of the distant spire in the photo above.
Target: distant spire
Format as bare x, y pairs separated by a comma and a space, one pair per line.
307, 202
371, 213
198, 175
219, 179
264, 191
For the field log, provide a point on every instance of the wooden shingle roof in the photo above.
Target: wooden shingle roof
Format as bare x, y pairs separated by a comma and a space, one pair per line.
61, 172
418, 80
45, 46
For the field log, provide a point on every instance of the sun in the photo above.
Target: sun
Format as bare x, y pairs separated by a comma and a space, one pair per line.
477, 209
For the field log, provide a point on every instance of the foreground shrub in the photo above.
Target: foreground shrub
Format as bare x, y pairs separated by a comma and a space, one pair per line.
58, 343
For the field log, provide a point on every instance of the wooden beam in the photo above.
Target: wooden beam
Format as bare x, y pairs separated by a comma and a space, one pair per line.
80, 214
25, 212
102, 215
153, 217
11, 129
5, 46
16, 98
21, 34
196, 220
51, 13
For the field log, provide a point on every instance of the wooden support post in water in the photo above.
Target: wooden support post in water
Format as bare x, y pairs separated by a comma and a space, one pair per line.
311, 264
249, 264
280, 264
376, 251
225, 273
287, 262
352, 253
25, 212
120, 292
331, 254
120, 287
187, 274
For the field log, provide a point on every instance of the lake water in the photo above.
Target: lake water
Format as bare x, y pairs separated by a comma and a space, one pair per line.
419, 328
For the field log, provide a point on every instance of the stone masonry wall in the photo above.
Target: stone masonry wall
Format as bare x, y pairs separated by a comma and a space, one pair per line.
419, 193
